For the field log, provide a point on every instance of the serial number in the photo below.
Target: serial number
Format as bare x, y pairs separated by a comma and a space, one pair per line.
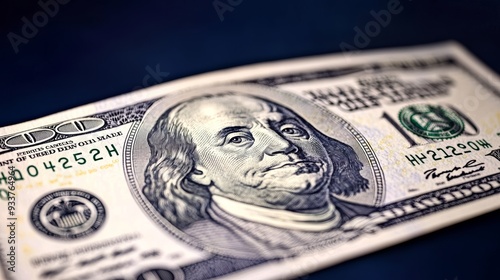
76, 159
449, 151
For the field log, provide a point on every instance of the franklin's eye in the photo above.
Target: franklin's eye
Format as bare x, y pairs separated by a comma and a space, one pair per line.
293, 130
238, 139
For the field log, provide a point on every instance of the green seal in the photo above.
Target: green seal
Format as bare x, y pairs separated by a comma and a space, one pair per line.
431, 121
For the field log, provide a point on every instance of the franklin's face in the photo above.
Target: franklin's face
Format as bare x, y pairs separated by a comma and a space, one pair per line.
253, 151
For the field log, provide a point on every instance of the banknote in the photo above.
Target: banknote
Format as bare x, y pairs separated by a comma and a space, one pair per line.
268, 171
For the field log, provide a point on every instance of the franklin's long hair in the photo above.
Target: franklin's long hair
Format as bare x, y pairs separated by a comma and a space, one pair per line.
173, 157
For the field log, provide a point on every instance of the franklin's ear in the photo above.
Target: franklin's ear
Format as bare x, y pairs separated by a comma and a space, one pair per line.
199, 176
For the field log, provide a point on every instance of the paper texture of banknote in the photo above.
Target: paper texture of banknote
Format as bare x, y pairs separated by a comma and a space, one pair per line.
268, 171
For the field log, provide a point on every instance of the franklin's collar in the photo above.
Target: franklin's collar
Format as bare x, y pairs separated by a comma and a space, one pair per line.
323, 219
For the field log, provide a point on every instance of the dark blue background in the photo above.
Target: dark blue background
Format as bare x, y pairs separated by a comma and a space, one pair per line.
91, 50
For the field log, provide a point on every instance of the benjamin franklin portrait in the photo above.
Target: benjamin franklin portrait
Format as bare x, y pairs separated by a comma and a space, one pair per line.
245, 174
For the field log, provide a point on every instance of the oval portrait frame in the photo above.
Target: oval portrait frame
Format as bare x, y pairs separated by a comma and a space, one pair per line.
137, 150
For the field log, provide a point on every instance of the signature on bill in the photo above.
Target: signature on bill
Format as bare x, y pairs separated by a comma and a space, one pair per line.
471, 167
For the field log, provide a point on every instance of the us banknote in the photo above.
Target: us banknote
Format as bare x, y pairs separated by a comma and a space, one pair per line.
269, 171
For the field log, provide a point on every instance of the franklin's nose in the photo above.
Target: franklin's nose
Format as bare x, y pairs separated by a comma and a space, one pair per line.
276, 143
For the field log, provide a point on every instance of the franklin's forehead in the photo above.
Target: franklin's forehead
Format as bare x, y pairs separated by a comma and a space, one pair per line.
230, 107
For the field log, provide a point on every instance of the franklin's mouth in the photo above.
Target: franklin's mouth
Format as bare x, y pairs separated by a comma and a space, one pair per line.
301, 165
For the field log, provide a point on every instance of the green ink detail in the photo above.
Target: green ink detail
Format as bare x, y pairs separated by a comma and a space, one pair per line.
431, 121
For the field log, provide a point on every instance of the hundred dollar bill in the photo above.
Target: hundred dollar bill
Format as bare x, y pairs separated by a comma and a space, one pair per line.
269, 171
